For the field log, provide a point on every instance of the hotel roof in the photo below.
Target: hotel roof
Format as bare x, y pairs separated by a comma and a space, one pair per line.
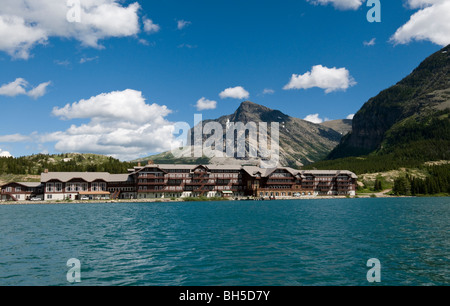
68, 176
251, 170
26, 184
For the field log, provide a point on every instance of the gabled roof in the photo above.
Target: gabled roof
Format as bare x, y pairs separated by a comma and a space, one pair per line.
68, 176
288, 169
254, 170
200, 166
119, 177
25, 184
30, 184
225, 167
329, 172
251, 170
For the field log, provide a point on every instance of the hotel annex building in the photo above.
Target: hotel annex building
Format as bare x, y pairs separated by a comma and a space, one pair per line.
180, 181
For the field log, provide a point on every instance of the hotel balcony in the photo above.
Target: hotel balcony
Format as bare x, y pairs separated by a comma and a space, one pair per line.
151, 177
291, 178
280, 183
200, 176
199, 183
152, 183
174, 182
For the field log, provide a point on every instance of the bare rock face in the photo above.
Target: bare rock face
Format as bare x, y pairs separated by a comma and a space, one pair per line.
301, 142
343, 126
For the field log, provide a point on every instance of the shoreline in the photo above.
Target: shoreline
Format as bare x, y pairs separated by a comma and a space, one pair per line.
132, 201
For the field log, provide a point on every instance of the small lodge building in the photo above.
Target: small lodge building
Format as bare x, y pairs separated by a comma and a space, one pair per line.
180, 181
21, 191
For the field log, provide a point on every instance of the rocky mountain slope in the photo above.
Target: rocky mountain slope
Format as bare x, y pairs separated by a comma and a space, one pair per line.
342, 126
382, 122
301, 142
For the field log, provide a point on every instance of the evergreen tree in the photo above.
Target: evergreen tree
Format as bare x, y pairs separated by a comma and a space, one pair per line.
378, 184
402, 186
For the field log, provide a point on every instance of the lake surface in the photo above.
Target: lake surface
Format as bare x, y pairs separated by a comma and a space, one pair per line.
255, 243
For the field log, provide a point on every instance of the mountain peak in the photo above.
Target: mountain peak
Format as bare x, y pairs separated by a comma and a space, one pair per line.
301, 142
249, 106
252, 112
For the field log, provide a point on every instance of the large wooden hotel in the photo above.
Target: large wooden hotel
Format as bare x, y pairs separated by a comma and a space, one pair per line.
179, 181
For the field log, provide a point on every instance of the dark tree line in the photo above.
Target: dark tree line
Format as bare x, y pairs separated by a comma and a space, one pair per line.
437, 182
36, 164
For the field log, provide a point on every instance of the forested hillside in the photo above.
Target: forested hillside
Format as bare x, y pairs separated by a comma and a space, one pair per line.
36, 164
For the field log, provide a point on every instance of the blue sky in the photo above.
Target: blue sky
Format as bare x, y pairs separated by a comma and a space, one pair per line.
133, 59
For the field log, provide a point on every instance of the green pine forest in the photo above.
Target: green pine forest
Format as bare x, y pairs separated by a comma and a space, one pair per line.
36, 164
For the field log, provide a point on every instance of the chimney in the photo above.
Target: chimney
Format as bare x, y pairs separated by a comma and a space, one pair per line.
150, 162
46, 171
139, 164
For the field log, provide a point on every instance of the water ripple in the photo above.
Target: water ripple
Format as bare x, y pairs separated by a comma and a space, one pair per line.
319, 242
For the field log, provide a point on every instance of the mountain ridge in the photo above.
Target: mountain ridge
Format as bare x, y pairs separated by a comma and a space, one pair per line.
301, 142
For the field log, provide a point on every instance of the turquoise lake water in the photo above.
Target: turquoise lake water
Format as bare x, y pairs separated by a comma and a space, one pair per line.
254, 243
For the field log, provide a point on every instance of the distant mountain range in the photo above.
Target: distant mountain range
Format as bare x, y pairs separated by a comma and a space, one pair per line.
301, 142
405, 125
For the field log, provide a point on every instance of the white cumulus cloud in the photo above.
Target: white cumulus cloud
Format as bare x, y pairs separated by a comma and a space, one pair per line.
121, 124
314, 118
150, 27
27, 23
5, 153
39, 90
414, 4
19, 87
430, 23
17, 37
204, 104
329, 79
235, 93
351, 116
340, 4
14, 88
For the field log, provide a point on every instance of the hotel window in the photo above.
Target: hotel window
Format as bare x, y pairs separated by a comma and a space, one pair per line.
58, 187
18, 189
50, 187
94, 187
8, 189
